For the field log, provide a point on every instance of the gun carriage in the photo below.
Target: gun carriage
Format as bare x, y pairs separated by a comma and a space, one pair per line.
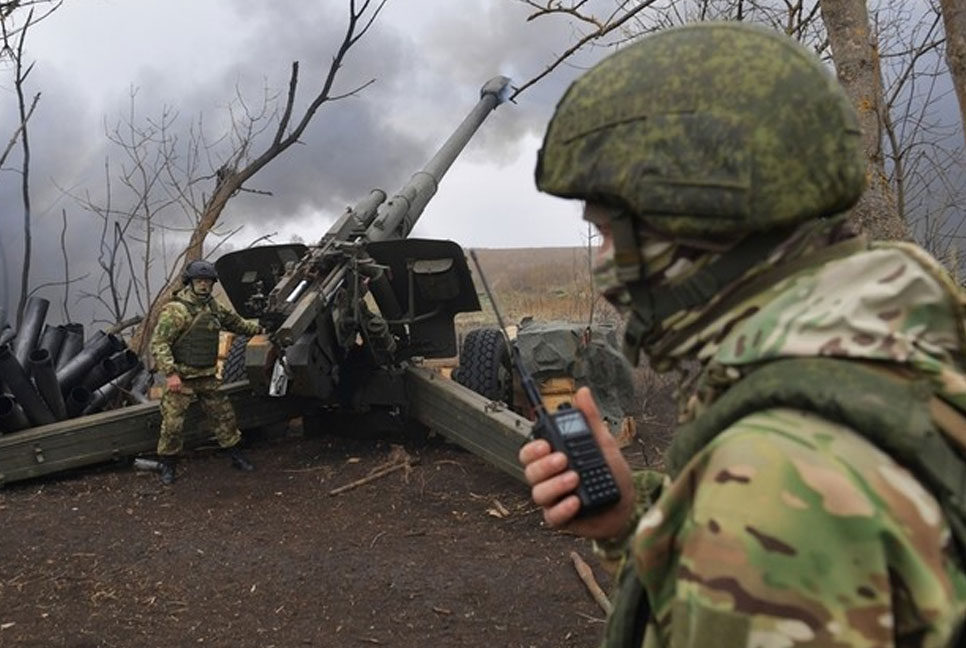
351, 320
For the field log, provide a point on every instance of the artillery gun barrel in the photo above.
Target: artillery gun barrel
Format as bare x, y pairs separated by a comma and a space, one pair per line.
354, 219
377, 221
398, 217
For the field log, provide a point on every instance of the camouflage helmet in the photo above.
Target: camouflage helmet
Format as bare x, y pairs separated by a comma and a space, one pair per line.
713, 128
199, 269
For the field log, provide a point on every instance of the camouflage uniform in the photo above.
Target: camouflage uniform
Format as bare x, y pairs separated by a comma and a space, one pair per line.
802, 512
790, 529
197, 382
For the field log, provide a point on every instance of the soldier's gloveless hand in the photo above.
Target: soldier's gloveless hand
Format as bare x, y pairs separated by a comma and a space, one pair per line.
173, 382
552, 482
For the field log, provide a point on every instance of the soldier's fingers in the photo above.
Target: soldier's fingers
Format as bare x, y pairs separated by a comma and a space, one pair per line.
549, 492
533, 450
562, 512
545, 468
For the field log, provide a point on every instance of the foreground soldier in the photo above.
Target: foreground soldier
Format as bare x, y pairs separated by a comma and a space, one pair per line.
185, 349
815, 489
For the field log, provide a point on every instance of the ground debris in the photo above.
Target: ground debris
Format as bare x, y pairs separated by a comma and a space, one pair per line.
399, 459
322, 564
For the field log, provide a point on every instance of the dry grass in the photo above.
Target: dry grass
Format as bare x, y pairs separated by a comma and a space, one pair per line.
543, 283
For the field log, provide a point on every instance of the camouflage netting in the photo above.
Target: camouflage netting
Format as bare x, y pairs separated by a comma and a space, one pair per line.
554, 349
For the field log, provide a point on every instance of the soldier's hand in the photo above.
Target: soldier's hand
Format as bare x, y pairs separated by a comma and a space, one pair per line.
174, 383
553, 483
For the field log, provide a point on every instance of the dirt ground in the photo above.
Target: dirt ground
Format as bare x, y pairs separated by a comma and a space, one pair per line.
450, 553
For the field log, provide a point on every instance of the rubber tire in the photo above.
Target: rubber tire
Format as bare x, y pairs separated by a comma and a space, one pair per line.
485, 365
233, 368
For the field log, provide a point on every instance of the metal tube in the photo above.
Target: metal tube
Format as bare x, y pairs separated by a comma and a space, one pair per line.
52, 339
100, 374
42, 371
22, 389
73, 373
77, 399
398, 216
109, 392
31, 325
73, 343
140, 386
12, 418
124, 359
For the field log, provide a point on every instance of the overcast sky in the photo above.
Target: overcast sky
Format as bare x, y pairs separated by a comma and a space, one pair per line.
428, 58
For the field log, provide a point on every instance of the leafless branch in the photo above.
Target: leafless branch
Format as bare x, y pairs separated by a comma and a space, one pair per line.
20, 127
615, 21
63, 251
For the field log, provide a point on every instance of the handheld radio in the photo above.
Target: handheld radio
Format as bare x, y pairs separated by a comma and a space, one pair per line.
566, 430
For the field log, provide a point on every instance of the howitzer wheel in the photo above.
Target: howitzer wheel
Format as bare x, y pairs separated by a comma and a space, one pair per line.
233, 368
485, 365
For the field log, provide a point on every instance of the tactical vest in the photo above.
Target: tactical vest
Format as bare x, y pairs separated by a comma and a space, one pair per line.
198, 345
901, 413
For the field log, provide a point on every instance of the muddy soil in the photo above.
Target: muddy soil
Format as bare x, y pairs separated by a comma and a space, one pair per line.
447, 553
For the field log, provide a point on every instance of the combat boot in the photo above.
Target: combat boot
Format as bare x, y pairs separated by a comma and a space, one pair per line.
166, 469
240, 461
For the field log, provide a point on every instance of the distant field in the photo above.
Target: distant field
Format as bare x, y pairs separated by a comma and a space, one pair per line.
545, 283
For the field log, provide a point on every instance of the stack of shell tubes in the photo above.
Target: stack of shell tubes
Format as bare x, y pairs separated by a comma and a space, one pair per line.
50, 373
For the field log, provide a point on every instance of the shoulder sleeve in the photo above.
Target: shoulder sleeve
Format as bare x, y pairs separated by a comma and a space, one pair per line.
231, 321
172, 321
789, 529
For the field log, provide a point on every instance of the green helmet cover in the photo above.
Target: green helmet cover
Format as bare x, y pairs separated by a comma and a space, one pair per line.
713, 128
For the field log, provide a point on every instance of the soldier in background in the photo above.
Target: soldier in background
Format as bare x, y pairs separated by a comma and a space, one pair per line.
185, 350
815, 488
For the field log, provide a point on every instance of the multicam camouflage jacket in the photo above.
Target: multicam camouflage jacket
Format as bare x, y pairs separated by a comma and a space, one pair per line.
177, 316
787, 527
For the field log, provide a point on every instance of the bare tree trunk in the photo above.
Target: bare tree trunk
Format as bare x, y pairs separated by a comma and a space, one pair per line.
856, 56
231, 177
20, 76
954, 21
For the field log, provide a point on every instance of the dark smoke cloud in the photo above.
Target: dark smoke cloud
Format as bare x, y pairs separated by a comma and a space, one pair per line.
427, 69
428, 59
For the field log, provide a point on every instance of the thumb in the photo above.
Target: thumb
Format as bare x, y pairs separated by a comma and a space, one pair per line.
584, 401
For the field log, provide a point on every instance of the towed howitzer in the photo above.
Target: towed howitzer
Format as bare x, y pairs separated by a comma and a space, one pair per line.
347, 313
349, 317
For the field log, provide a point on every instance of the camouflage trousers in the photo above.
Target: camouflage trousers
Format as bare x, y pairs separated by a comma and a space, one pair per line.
215, 405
